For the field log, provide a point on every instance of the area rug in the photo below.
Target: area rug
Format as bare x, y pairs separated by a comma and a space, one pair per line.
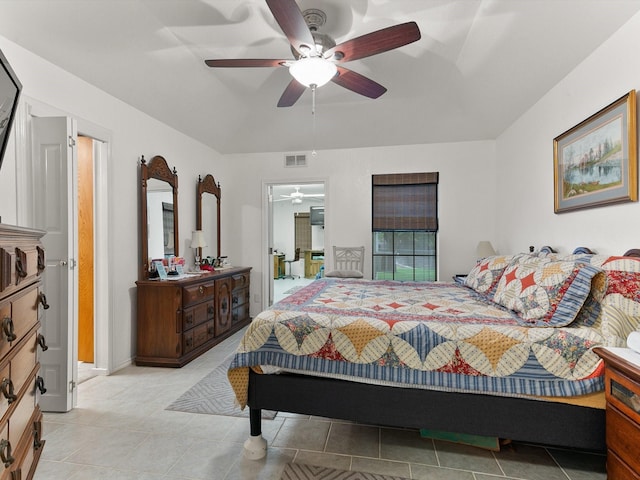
213, 395
299, 471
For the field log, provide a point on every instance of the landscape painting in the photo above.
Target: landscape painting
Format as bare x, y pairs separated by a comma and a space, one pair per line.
595, 161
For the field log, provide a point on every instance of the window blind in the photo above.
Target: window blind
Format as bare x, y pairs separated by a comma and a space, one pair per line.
405, 201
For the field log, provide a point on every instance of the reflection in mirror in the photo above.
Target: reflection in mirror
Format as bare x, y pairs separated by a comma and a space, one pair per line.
208, 215
159, 219
158, 212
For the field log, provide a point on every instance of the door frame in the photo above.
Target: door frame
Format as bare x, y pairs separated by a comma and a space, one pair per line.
103, 243
267, 229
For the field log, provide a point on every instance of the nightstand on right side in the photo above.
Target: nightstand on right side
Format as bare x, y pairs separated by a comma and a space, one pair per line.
622, 390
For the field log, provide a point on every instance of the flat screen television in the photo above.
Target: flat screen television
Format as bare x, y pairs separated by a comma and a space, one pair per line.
316, 216
10, 89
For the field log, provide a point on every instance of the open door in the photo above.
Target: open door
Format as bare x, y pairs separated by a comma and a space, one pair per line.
55, 185
270, 241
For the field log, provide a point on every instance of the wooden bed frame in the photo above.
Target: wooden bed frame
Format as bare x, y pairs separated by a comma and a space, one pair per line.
518, 419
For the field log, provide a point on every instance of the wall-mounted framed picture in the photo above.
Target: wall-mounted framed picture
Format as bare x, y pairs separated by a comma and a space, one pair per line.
595, 163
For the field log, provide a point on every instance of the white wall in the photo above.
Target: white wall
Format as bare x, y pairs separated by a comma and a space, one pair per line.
525, 158
133, 134
467, 198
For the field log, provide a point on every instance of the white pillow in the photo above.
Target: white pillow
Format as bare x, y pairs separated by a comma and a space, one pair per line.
344, 274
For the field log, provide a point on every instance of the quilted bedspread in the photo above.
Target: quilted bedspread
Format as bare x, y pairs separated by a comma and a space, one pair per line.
426, 335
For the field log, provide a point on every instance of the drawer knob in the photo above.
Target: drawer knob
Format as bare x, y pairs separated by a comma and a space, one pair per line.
5, 453
42, 342
6, 387
7, 329
40, 385
20, 270
42, 298
201, 289
37, 435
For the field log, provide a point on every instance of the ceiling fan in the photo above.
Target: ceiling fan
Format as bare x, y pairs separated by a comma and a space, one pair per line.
317, 57
297, 196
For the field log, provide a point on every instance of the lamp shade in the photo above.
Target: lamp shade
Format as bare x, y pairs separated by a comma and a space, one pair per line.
484, 249
197, 239
313, 71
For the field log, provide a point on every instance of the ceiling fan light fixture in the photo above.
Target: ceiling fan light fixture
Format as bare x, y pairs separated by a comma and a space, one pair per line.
313, 71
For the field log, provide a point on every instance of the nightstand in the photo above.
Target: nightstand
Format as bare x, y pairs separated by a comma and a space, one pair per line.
622, 390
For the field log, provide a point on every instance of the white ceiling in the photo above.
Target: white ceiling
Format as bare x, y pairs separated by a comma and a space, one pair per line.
478, 66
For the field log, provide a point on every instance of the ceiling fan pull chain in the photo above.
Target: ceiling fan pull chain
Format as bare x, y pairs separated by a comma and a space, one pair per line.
313, 113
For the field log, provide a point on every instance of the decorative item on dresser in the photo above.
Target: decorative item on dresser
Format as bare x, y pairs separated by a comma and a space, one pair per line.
622, 391
21, 265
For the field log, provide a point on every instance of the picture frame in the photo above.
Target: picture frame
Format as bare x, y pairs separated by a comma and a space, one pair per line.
595, 163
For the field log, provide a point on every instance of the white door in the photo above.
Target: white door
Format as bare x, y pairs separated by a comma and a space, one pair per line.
270, 240
54, 211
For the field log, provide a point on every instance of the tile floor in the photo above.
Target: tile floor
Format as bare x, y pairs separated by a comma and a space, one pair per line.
121, 430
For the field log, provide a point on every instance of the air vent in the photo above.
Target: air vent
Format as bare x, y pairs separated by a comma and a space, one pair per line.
295, 160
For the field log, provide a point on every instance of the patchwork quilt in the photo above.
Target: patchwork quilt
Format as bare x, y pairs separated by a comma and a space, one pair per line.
441, 336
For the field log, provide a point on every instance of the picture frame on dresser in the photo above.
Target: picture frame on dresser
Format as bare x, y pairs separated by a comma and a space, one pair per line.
595, 162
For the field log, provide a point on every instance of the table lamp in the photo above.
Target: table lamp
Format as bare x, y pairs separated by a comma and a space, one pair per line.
484, 249
197, 243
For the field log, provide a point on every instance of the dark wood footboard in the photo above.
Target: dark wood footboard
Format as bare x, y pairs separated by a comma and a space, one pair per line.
517, 419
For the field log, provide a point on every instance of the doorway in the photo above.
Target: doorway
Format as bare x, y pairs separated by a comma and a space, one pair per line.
290, 212
54, 208
86, 256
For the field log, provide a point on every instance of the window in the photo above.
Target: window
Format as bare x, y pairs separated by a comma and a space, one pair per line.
405, 226
302, 231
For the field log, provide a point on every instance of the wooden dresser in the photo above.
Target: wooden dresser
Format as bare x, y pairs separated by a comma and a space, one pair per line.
181, 319
622, 390
21, 265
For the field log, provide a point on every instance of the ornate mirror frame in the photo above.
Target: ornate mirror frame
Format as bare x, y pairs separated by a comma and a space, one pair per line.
156, 169
208, 185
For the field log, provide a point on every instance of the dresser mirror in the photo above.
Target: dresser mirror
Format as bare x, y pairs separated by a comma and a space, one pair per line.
159, 212
208, 215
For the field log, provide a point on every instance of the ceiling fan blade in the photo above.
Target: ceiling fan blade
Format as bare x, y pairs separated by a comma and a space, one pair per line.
358, 83
289, 17
246, 62
291, 94
375, 42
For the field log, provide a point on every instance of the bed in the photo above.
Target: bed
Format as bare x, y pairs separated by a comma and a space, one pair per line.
506, 353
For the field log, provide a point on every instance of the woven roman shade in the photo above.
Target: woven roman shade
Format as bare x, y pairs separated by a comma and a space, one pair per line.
405, 201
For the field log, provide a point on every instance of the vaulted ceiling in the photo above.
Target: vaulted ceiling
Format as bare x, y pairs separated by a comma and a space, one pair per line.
479, 65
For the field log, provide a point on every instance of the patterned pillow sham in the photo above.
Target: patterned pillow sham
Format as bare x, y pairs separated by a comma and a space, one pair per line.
484, 277
547, 293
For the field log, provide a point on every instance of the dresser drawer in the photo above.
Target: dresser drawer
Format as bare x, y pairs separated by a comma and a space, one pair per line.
240, 313
198, 335
623, 393
18, 314
617, 470
623, 436
240, 297
197, 293
241, 280
20, 420
14, 376
27, 452
196, 315
19, 266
